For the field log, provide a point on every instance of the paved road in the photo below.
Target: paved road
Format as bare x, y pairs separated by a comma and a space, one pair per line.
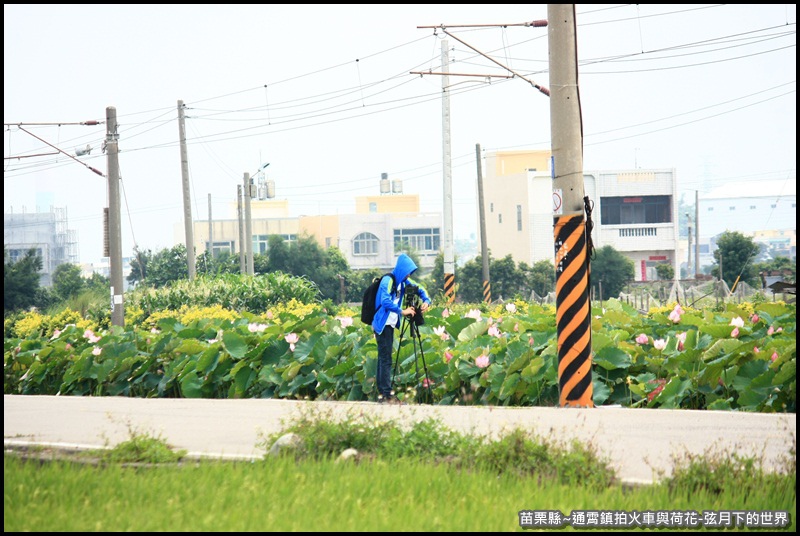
639, 443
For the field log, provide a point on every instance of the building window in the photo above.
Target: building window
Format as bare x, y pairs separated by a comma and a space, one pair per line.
752, 207
425, 240
373, 206
636, 210
710, 209
327, 241
491, 207
261, 242
220, 247
499, 218
731, 208
773, 206
519, 217
365, 244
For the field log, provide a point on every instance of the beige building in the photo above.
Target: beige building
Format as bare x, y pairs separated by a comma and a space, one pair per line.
634, 211
381, 226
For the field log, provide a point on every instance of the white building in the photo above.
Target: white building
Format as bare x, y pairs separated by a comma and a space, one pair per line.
764, 210
44, 232
634, 211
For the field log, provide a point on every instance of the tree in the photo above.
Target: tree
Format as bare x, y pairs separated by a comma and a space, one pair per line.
541, 277
68, 281
20, 280
665, 271
166, 265
735, 252
507, 280
139, 264
612, 270
278, 257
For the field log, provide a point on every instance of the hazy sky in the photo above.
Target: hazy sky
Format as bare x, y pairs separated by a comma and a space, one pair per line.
325, 94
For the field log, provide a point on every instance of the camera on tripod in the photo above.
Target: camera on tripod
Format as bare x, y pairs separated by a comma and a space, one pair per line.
412, 300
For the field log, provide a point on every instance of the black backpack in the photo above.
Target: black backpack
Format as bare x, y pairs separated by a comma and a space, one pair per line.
368, 301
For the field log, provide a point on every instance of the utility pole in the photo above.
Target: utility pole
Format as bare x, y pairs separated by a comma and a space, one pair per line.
572, 239
114, 219
239, 193
210, 255
696, 233
689, 247
487, 286
187, 201
248, 225
449, 255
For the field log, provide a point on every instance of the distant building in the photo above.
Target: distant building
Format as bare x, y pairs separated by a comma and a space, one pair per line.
634, 211
764, 210
369, 238
44, 232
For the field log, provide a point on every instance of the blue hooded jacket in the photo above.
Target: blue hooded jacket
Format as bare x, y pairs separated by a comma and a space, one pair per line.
384, 301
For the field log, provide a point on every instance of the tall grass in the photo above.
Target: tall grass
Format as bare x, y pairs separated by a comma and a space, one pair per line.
280, 494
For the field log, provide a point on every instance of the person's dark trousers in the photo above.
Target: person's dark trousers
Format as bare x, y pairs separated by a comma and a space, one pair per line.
383, 375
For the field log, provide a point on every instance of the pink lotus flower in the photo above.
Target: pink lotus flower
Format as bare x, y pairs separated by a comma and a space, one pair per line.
516, 326
445, 313
97, 350
659, 344
676, 313
482, 361
447, 356
154, 330
473, 313
738, 322
88, 334
755, 349
68, 346
511, 308
292, 338
642, 338
495, 332
681, 340
441, 331
735, 333
345, 321
56, 334
771, 330
774, 356
256, 328
427, 383
530, 340
754, 318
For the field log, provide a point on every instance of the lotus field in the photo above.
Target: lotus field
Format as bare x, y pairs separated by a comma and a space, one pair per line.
732, 357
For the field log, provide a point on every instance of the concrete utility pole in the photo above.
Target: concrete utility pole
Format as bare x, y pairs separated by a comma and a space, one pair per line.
573, 312
114, 218
449, 249
239, 194
210, 255
248, 226
487, 286
187, 200
696, 233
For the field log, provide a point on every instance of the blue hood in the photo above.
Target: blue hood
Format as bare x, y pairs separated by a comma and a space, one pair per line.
404, 267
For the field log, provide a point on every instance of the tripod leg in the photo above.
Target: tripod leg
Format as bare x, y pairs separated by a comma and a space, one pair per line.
418, 341
403, 328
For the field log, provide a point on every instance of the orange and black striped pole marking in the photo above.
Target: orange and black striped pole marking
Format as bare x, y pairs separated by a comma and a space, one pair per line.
450, 287
573, 312
487, 292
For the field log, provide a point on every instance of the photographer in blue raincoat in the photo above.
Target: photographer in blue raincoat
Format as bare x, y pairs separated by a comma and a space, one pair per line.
388, 314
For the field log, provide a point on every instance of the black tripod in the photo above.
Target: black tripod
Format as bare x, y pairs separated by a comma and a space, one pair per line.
412, 326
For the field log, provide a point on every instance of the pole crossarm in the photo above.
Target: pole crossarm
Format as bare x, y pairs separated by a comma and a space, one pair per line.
534, 24
61, 151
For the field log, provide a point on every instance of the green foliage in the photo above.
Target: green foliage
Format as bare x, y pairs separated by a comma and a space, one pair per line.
735, 252
234, 291
610, 269
21, 281
251, 338
67, 281
142, 448
665, 271
518, 453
